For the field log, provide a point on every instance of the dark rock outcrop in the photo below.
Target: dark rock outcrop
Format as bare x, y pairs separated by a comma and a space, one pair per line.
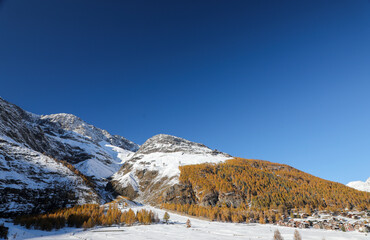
179, 194
187, 194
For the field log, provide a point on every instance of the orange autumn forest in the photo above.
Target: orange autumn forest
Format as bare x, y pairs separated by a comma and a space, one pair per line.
262, 191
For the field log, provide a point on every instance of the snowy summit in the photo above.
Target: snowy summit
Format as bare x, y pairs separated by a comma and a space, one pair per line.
360, 185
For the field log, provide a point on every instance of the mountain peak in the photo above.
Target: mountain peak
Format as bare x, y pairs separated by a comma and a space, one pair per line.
64, 117
155, 166
69, 122
169, 144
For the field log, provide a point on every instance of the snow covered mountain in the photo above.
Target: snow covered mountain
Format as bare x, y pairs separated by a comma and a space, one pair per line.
359, 185
97, 153
59, 160
155, 166
94, 162
31, 147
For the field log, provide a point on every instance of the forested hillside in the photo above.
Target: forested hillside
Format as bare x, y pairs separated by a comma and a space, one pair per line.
243, 187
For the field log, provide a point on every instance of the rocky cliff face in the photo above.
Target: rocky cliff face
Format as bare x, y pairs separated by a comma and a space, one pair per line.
20, 126
187, 194
154, 168
30, 147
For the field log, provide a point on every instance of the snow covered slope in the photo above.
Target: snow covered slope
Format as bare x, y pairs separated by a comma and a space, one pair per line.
155, 166
95, 157
359, 185
32, 182
101, 154
30, 144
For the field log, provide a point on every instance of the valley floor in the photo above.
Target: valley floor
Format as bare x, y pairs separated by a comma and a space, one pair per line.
200, 229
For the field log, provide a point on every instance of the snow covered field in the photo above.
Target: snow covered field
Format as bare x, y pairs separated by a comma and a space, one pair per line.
200, 229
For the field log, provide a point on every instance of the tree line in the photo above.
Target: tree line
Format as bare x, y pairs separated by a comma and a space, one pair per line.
87, 216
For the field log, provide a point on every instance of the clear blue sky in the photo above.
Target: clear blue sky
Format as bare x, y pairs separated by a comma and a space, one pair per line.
284, 81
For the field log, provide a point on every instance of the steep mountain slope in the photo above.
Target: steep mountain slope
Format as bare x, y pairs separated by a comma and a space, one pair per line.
31, 146
96, 152
359, 185
155, 166
33, 182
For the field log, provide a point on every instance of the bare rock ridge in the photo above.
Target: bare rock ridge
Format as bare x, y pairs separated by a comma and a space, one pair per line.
73, 123
31, 147
155, 166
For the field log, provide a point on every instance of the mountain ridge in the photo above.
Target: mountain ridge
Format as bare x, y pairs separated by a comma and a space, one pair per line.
73, 123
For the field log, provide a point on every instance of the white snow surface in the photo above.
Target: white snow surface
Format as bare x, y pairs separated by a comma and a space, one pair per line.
119, 154
359, 185
101, 166
200, 229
